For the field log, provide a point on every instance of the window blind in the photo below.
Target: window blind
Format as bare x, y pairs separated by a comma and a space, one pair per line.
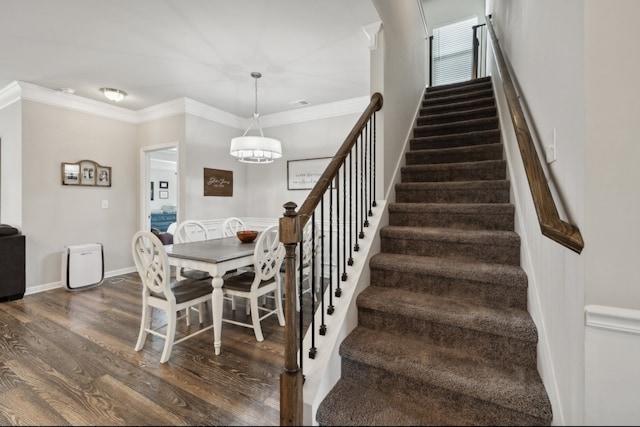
453, 52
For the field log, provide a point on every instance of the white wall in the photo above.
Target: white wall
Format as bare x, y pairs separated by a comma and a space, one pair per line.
405, 48
56, 215
266, 189
612, 209
207, 146
11, 165
552, 86
443, 12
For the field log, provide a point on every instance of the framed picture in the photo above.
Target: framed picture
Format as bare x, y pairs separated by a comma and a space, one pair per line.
218, 182
70, 173
163, 194
164, 184
303, 174
86, 172
103, 174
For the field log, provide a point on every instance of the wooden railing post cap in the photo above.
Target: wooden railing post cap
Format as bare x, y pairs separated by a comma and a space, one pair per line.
290, 231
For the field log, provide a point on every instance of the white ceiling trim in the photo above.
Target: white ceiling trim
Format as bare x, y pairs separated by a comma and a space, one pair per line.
56, 98
23, 90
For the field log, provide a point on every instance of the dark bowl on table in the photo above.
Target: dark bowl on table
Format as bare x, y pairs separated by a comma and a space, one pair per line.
247, 236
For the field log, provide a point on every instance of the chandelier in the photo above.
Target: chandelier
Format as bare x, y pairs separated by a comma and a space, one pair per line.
258, 148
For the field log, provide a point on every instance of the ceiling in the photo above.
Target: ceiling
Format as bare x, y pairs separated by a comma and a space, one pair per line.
161, 50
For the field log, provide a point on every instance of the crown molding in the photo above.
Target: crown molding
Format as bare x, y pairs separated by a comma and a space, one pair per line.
31, 92
9, 94
18, 90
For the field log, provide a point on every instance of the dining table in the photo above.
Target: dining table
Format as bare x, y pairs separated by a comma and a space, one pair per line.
217, 257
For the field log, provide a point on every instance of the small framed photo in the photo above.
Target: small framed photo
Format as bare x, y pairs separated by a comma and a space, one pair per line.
87, 173
163, 194
70, 174
164, 184
103, 176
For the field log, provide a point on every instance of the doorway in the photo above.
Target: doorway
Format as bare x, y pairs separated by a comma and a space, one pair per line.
159, 186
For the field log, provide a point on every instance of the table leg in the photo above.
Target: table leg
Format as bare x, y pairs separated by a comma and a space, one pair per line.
216, 312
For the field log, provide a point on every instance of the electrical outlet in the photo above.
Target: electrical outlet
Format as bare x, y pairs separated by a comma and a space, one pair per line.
105, 204
550, 150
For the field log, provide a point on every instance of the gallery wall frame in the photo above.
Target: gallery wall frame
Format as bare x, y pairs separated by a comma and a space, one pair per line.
86, 173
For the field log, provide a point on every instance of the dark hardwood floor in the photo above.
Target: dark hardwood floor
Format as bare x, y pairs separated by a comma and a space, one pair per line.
67, 358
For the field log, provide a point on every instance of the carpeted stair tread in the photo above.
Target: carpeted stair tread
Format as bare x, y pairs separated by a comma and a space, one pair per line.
467, 216
480, 245
519, 389
482, 170
472, 125
460, 139
460, 312
494, 191
469, 104
353, 405
487, 283
430, 101
472, 153
457, 115
483, 272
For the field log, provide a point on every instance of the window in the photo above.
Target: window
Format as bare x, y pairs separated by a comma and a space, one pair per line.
453, 52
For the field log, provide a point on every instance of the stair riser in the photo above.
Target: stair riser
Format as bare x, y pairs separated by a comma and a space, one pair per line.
458, 116
457, 140
446, 195
431, 397
488, 251
458, 106
448, 219
452, 287
470, 154
455, 128
491, 172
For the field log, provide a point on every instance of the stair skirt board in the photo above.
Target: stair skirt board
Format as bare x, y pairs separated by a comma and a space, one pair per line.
443, 334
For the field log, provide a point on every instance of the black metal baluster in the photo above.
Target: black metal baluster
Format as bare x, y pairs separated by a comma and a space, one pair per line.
362, 209
373, 203
336, 181
313, 350
344, 220
350, 208
300, 313
356, 247
331, 307
367, 184
323, 326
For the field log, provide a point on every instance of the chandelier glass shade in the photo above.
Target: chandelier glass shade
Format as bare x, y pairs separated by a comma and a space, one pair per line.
255, 148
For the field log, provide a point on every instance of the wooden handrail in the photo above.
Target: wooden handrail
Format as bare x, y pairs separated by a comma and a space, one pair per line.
550, 223
291, 225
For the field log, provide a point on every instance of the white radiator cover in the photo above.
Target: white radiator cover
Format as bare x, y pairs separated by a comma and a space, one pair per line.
82, 266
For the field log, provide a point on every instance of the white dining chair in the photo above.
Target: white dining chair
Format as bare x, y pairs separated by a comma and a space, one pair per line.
264, 279
159, 291
191, 231
231, 226
304, 273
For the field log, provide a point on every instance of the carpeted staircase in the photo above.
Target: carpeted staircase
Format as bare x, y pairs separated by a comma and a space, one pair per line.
443, 335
